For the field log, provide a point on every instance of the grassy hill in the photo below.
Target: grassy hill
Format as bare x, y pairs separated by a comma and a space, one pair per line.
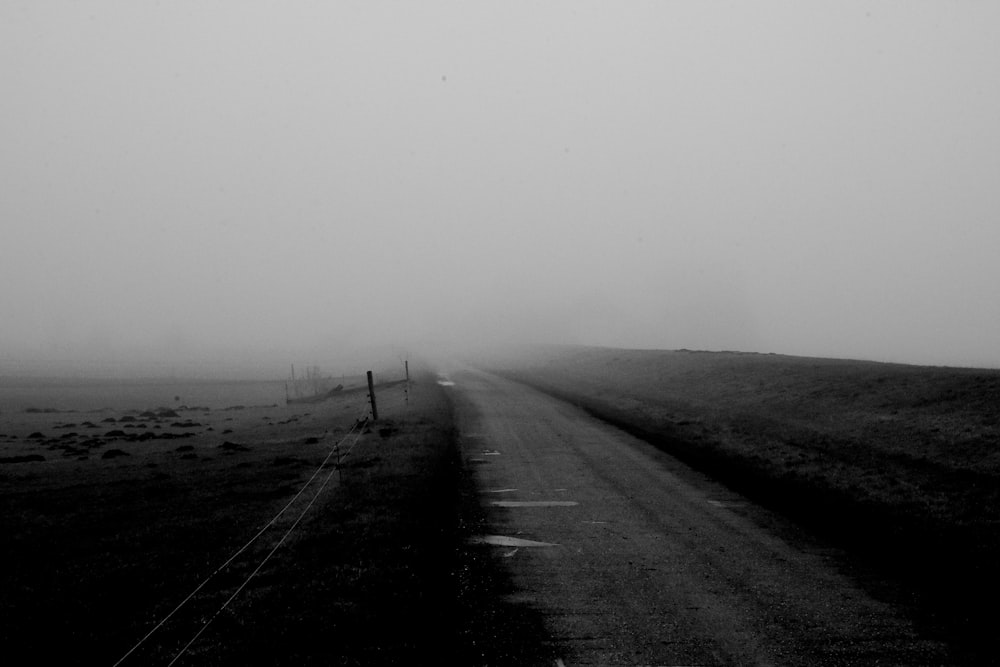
900, 463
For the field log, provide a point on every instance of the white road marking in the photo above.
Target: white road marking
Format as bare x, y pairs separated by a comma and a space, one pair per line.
722, 503
506, 541
534, 503
499, 490
490, 452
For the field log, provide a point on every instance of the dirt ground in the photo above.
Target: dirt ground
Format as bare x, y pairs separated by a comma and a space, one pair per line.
112, 516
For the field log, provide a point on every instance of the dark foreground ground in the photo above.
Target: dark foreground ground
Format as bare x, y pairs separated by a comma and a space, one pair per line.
901, 464
111, 517
105, 533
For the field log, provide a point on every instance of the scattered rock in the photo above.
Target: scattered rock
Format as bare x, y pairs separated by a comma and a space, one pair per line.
366, 463
312, 441
29, 458
113, 453
233, 447
185, 448
285, 460
116, 433
37, 435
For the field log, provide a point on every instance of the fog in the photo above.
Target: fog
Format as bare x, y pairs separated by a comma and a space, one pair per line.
192, 186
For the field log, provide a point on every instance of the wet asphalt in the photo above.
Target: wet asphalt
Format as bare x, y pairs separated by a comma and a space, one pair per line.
631, 558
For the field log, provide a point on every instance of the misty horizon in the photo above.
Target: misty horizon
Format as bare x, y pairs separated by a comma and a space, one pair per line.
228, 189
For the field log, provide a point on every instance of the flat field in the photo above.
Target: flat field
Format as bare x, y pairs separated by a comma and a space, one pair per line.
900, 463
120, 500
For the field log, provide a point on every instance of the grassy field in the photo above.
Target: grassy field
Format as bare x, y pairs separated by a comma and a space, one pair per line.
118, 501
112, 515
899, 463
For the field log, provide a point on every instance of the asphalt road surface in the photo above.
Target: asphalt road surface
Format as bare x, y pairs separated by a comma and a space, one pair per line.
632, 558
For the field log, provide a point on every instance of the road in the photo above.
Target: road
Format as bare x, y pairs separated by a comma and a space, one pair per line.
631, 558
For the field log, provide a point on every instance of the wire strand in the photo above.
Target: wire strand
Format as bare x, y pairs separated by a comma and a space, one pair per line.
260, 566
244, 547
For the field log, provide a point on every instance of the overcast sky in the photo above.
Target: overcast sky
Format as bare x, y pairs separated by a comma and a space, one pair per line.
275, 179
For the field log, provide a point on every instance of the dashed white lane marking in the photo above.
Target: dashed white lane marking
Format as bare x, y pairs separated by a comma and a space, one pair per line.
534, 503
507, 541
499, 490
722, 503
446, 383
490, 452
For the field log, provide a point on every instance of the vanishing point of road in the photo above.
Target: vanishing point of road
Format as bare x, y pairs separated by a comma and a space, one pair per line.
633, 559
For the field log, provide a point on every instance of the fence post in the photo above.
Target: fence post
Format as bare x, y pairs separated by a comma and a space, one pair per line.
371, 395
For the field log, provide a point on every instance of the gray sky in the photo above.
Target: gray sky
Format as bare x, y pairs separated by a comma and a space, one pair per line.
281, 179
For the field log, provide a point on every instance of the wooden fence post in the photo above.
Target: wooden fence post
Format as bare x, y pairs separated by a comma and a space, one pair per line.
371, 395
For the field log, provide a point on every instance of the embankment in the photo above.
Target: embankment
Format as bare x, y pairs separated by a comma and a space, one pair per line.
900, 464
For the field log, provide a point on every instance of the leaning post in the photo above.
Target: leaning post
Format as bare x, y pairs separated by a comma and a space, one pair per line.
371, 395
